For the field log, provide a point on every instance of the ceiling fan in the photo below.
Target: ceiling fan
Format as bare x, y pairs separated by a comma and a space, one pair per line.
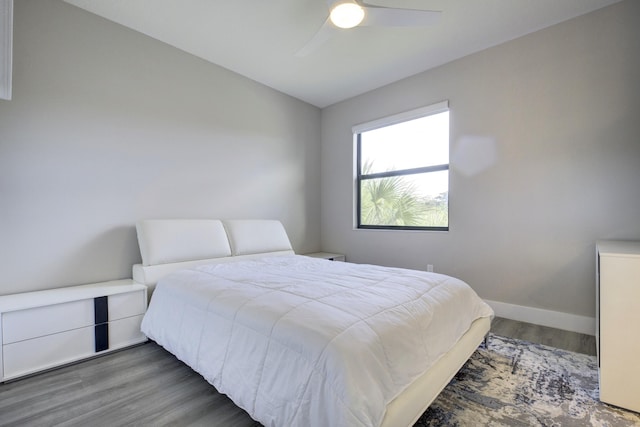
345, 14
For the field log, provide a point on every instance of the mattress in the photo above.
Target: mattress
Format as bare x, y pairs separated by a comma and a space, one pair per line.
298, 341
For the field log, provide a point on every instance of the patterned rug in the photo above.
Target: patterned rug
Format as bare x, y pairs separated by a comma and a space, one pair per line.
517, 383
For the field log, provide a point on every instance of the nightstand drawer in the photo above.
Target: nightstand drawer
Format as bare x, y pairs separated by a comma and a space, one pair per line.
127, 305
125, 332
26, 357
39, 321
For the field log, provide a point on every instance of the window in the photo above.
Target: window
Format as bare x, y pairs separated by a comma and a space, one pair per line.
402, 171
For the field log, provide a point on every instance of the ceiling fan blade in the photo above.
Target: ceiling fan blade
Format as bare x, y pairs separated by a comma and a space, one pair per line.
322, 35
391, 17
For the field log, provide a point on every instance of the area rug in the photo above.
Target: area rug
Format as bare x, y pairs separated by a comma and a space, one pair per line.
517, 383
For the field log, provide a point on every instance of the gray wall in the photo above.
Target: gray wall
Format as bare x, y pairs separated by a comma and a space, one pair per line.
545, 159
108, 126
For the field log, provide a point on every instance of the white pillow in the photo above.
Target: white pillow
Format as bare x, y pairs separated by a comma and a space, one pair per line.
252, 236
165, 241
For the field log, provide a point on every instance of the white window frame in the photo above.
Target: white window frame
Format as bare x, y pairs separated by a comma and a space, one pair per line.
439, 107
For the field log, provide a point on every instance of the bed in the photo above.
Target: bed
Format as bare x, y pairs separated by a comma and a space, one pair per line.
301, 341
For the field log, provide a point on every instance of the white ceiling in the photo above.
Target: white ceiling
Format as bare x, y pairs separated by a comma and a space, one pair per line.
259, 39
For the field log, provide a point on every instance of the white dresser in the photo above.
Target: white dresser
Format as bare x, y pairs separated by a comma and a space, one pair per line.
45, 329
618, 322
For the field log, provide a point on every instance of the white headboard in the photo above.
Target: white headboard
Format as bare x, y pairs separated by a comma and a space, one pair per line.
167, 245
165, 241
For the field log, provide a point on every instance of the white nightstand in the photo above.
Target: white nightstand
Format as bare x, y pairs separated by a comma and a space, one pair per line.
327, 255
46, 329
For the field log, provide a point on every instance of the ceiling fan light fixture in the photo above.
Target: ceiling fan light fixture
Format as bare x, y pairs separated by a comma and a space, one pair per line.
346, 15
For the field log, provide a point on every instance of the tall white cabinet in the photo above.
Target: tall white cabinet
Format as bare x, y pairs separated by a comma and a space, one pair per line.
618, 322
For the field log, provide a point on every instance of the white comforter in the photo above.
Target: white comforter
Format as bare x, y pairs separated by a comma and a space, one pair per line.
299, 341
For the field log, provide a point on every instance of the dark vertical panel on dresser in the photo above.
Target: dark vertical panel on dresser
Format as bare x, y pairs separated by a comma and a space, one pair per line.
101, 315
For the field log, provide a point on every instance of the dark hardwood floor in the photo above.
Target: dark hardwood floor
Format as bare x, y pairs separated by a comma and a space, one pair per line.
147, 386
140, 386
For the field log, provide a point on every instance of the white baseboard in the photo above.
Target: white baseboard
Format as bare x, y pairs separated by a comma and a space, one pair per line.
539, 316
